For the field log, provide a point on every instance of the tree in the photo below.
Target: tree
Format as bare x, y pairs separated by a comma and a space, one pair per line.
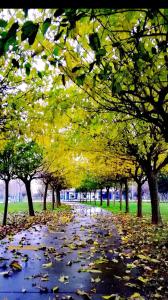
122, 67
28, 159
58, 183
7, 172
150, 151
128, 73
139, 177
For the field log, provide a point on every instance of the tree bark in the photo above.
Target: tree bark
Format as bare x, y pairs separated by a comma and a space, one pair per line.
53, 199
126, 196
139, 196
58, 200
29, 198
108, 197
121, 196
153, 188
45, 197
6, 202
101, 197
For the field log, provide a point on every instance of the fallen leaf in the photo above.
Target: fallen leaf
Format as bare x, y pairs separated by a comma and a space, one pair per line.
15, 265
64, 279
55, 289
136, 296
112, 296
83, 293
48, 265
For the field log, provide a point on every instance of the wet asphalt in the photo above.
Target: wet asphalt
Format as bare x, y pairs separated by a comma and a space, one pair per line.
70, 251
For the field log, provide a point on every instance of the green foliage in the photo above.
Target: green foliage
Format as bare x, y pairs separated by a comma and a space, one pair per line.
46, 25
28, 159
7, 161
29, 30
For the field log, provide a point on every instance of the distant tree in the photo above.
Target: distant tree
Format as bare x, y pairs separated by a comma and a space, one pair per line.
7, 172
27, 161
58, 183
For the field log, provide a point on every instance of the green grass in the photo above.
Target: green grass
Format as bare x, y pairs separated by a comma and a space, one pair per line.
146, 208
23, 207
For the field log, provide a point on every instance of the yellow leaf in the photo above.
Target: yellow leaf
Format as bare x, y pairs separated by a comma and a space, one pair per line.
143, 279
15, 265
136, 296
47, 265
112, 296
55, 289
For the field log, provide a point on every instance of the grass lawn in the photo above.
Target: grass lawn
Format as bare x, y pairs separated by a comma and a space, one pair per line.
146, 208
23, 207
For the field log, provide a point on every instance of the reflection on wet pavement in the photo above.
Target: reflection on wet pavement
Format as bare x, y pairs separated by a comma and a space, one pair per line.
79, 256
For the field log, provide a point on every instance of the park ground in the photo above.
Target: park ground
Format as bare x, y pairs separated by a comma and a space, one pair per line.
83, 252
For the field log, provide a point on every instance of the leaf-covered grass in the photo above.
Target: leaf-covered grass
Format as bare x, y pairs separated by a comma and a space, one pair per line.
23, 207
146, 208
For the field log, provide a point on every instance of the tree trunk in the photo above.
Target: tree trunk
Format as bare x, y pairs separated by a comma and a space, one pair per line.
121, 196
58, 200
6, 202
153, 188
90, 197
126, 196
29, 198
53, 199
108, 197
101, 197
45, 197
139, 196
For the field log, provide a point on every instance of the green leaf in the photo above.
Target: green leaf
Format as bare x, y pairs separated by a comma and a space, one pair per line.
94, 41
15, 63
101, 52
29, 30
46, 25
40, 74
9, 42
80, 79
166, 15
3, 23
27, 67
58, 12
12, 30
56, 51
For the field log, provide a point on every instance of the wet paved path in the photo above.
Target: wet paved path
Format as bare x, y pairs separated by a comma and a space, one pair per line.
70, 252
